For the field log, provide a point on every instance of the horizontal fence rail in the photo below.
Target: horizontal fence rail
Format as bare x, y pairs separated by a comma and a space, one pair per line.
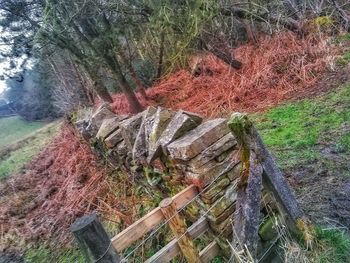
172, 249
147, 223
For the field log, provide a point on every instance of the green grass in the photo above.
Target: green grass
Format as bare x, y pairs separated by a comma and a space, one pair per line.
25, 149
295, 130
345, 58
15, 128
42, 255
333, 246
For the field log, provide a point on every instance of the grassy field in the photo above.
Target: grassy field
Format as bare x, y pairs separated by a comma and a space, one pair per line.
14, 128
299, 131
20, 141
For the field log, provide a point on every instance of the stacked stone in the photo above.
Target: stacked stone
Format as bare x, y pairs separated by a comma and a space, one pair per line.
203, 153
212, 162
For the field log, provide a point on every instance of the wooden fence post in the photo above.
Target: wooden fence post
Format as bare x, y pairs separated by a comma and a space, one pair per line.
93, 240
248, 136
178, 227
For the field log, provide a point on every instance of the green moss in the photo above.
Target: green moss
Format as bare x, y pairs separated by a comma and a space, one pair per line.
344, 59
293, 131
37, 255
342, 38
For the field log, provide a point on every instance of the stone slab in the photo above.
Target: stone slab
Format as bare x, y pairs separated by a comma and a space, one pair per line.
215, 150
224, 229
139, 150
198, 139
161, 120
181, 123
235, 172
218, 187
107, 127
129, 129
114, 138
208, 172
223, 216
102, 112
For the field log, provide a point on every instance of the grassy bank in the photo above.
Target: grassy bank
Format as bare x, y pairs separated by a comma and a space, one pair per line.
14, 128
20, 141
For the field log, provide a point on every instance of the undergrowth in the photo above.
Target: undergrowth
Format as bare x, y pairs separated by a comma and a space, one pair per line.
345, 58
43, 254
277, 69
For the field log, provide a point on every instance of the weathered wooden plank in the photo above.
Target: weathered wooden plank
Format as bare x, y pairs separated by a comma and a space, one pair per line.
178, 226
209, 252
185, 196
137, 229
172, 249
151, 220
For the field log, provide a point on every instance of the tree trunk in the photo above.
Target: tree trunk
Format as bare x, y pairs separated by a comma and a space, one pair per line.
161, 54
83, 85
99, 87
134, 76
129, 93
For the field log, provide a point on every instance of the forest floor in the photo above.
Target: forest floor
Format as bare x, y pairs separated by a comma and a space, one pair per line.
303, 116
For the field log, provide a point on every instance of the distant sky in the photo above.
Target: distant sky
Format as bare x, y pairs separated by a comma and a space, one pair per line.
2, 86
2, 83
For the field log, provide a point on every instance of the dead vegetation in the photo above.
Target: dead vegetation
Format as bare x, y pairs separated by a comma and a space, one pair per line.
273, 71
63, 182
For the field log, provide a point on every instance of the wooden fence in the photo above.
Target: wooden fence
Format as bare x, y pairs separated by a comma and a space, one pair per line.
166, 213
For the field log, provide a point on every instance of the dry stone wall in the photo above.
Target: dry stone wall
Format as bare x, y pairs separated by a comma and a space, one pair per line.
163, 147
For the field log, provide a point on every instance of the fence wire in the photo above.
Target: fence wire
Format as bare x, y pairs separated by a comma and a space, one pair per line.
179, 211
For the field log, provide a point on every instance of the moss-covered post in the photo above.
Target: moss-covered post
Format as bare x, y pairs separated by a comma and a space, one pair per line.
251, 142
247, 215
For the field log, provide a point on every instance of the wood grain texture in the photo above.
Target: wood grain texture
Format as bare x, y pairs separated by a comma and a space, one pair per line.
209, 252
178, 227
